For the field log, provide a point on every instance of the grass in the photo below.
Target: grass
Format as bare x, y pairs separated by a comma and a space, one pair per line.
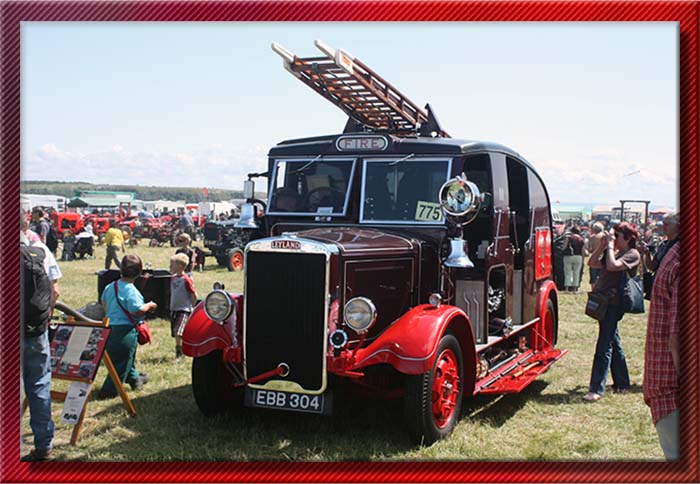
547, 421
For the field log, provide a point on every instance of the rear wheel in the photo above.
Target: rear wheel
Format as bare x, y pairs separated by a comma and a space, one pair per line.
433, 399
235, 260
212, 384
548, 329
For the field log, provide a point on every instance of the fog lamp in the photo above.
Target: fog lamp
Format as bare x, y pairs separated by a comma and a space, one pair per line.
360, 314
218, 305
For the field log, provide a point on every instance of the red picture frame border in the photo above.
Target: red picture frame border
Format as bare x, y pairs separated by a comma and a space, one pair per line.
12, 470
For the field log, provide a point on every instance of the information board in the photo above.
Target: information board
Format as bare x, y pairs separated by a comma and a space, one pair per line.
76, 351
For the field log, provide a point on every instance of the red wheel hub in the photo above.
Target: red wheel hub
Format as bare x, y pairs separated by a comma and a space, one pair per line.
237, 261
445, 388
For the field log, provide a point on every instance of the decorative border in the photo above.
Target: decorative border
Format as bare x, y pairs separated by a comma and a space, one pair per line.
12, 13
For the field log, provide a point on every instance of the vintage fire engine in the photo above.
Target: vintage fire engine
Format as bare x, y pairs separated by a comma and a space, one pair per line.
398, 259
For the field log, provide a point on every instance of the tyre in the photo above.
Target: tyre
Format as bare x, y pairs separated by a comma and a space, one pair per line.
235, 260
434, 399
549, 328
212, 384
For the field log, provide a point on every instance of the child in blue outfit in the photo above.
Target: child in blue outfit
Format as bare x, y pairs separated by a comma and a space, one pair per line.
182, 297
123, 338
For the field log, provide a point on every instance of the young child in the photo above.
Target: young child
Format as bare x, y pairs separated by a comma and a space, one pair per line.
183, 241
182, 297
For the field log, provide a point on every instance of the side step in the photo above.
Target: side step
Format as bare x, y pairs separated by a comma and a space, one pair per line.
513, 378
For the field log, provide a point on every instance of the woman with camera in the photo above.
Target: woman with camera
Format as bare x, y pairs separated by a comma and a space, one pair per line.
616, 254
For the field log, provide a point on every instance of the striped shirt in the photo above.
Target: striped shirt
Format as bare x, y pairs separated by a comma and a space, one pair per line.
660, 378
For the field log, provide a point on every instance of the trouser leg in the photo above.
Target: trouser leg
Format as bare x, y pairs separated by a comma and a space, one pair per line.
603, 351
669, 435
121, 347
36, 373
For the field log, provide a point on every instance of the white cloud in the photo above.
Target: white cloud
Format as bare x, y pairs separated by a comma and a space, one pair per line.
214, 166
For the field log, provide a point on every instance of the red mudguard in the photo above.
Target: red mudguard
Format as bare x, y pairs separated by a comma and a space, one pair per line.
202, 335
410, 344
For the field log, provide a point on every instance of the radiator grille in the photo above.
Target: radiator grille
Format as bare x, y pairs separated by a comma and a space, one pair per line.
285, 303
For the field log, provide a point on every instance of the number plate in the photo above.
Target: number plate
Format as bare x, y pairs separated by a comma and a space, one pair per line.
296, 402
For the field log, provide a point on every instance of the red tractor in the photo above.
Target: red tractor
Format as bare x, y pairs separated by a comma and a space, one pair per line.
67, 222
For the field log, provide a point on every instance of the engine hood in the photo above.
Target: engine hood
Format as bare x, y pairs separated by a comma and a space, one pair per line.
354, 241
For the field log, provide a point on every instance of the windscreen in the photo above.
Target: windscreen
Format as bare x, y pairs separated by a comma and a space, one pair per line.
312, 186
403, 191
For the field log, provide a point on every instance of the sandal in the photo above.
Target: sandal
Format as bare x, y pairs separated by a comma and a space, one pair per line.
592, 397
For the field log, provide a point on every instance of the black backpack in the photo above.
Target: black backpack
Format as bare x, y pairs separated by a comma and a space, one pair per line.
52, 239
35, 307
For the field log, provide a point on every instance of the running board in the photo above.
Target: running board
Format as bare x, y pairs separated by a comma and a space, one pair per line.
492, 340
513, 378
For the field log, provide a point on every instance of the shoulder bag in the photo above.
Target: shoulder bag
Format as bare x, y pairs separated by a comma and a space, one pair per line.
632, 294
597, 305
144, 332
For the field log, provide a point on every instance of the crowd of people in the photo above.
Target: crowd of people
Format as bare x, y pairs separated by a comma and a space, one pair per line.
616, 252
123, 305
616, 255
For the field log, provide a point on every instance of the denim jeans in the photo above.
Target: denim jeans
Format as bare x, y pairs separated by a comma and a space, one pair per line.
36, 373
609, 354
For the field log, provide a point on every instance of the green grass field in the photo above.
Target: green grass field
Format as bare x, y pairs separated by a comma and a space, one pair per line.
547, 421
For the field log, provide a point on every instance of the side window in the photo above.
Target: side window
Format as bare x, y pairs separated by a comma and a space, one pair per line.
538, 200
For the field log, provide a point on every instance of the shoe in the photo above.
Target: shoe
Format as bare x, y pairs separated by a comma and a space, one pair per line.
37, 455
592, 397
621, 391
139, 382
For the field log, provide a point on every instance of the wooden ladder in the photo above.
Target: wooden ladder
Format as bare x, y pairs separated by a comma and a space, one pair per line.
356, 89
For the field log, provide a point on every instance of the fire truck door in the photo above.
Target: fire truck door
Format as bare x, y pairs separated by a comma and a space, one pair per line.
501, 249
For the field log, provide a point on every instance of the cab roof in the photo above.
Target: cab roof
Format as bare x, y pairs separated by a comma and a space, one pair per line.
326, 145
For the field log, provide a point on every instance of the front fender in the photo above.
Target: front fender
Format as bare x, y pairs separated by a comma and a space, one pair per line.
202, 335
410, 344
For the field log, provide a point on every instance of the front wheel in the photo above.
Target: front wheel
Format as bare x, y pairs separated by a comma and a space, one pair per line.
434, 398
235, 260
212, 384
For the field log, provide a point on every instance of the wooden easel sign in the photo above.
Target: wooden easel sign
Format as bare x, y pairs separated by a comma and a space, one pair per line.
76, 351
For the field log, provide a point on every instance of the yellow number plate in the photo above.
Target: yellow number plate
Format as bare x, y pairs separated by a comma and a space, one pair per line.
428, 212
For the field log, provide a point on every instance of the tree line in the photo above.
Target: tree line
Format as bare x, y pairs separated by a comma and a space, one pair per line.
71, 189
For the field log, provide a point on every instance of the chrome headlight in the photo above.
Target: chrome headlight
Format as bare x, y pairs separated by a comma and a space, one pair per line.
360, 314
218, 305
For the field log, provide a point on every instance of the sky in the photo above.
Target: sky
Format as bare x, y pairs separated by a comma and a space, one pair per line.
593, 106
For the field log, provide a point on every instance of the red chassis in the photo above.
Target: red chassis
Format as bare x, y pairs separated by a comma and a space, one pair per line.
410, 345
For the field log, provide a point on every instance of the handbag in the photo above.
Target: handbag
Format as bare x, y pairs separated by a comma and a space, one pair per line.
597, 305
632, 294
144, 331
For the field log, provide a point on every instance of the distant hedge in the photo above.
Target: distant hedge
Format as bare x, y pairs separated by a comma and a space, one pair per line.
71, 189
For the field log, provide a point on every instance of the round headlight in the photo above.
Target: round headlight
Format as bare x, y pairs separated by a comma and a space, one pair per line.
360, 314
218, 305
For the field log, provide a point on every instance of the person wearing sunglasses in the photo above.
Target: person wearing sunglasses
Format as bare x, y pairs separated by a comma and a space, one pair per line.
616, 254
